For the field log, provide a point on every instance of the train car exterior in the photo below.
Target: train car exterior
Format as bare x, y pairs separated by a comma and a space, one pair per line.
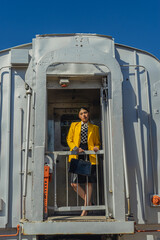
43, 84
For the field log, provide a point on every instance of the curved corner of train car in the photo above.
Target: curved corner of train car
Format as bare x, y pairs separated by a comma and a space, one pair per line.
43, 85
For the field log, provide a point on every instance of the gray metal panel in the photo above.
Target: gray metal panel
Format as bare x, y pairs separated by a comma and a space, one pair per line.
22, 46
1, 204
17, 138
19, 56
5, 144
81, 83
140, 236
53, 228
72, 69
10, 189
4, 60
94, 49
45, 45
85, 54
141, 175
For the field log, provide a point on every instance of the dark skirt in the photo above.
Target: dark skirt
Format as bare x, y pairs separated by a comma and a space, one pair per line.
77, 178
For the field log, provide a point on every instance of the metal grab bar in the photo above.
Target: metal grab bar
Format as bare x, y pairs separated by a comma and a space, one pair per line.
67, 153
29, 93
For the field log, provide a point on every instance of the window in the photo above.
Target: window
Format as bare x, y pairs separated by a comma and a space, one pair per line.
66, 121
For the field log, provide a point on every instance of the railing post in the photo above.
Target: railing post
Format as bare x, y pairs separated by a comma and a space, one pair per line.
55, 180
97, 179
66, 181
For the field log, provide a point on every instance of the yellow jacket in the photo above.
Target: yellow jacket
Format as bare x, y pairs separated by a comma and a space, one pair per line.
74, 138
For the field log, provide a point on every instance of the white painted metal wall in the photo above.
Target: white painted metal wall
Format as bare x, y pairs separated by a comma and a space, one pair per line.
135, 90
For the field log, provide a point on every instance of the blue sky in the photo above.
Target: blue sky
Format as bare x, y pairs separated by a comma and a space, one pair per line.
133, 23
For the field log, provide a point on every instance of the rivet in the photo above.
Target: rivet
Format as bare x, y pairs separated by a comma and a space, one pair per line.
155, 93
156, 111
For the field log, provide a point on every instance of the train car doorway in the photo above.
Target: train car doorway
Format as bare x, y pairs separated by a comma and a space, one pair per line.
63, 108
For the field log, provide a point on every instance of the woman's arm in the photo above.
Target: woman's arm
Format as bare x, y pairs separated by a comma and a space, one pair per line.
70, 137
96, 139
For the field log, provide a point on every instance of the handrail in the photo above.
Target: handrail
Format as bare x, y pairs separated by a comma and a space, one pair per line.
29, 93
64, 153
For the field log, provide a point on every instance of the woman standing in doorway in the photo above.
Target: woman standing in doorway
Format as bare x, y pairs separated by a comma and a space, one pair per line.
84, 136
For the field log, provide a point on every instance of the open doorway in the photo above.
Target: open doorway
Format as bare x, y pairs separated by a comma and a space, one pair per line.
63, 108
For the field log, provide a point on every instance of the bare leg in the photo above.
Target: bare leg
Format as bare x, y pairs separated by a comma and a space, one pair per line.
81, 192
84, 212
